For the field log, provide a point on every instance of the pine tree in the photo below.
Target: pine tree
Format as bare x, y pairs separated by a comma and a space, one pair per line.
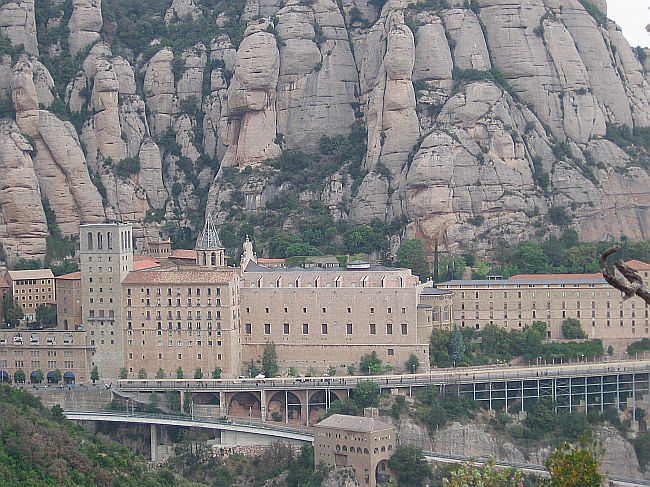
457, 346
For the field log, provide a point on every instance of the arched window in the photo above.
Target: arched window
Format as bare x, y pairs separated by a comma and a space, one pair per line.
90, 241
358, 449
109, 240
383, 448
205, 259
345, 448
365, 450
338, 447
376, 450
65, 324
390, 447
213, 259
100, 241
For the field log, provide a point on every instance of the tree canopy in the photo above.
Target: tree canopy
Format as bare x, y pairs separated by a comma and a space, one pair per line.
411, 254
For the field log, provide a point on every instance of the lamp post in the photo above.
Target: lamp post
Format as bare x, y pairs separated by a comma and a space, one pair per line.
192, 409
250, 415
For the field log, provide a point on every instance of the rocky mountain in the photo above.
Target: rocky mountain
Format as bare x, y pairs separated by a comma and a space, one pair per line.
461, 122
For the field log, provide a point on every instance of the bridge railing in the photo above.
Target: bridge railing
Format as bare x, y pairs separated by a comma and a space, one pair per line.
174, 417
447, 376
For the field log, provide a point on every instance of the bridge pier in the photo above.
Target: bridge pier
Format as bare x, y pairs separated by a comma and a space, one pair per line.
223, 407
182, 401
154, 442
263, 404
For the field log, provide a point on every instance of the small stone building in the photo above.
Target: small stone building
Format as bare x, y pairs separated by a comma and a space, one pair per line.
363, 443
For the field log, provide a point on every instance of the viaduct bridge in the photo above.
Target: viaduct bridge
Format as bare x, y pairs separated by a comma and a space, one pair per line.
303, 401
294, 435
231, 431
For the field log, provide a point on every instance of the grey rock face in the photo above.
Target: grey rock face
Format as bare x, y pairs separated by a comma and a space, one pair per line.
462, 112
18, 24
85, 24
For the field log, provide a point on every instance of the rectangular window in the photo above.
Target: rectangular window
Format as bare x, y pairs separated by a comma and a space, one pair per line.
373, 329
404, 329
247, 327
323, 329
389, 328
286, 328
391, 351
267, 328
348, 329
305, 328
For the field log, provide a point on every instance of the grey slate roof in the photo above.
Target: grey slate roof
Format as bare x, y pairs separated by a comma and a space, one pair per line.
359, 424
522, 282
430, 291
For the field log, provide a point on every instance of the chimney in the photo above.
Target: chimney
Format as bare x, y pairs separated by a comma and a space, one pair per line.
372, 413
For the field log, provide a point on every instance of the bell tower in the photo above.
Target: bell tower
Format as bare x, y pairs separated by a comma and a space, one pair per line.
209, 252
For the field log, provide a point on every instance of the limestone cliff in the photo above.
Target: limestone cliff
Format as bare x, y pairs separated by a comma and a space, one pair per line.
472, 123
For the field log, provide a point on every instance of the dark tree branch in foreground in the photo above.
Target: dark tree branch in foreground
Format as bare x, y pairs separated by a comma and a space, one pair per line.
633, 286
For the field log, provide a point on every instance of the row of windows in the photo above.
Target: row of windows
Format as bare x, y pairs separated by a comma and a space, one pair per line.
147, 302
578, 294
324, 328
101, 313
324, 310
179, 343
199, 356
548, 314
197, 291
125, 240
578, 305
170, 316
31, 282
178, 325
365, 450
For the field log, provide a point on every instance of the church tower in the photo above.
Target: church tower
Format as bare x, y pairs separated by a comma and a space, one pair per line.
209, 252
249, 255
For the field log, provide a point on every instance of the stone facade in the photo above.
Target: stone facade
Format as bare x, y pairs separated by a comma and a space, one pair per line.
47, 350
106, 255
521, 300
331, 317
68, 301
181, 317
363, 443
435, 310
31, 289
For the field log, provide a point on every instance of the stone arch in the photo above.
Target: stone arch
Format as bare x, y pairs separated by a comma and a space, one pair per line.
243, 404
318, 403
382, 472
90, 241
279, 403
100, 241
205, 398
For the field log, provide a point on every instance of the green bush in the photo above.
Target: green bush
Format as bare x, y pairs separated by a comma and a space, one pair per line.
128, 166
572, 329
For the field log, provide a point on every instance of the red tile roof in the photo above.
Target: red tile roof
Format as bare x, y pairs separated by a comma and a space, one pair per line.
270, 261
638, 265
183, 254
140, 265
195, 276
146, 257
557, 276
71, 276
